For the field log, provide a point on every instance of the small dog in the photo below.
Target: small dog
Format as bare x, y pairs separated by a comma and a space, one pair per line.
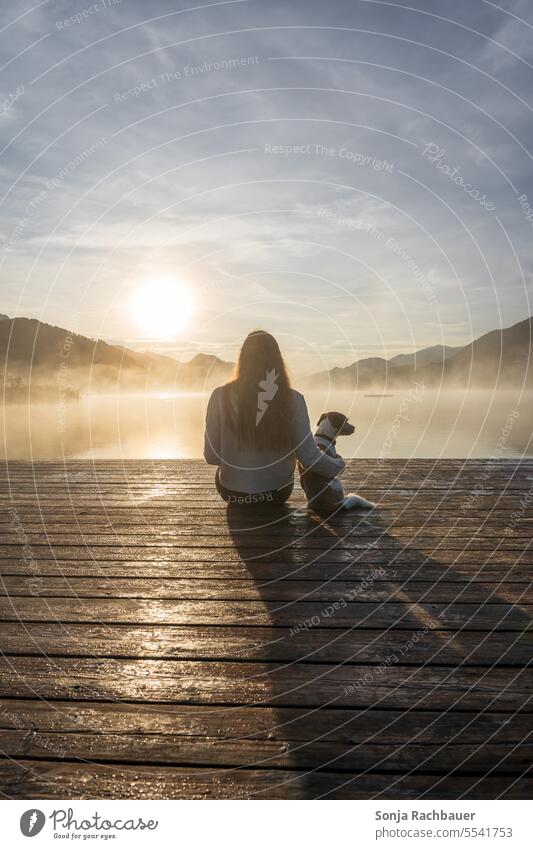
321, 493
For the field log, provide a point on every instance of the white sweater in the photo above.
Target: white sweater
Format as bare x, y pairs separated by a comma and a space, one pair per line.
250, 470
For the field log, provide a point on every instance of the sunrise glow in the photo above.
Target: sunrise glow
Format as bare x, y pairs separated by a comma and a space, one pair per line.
162, 307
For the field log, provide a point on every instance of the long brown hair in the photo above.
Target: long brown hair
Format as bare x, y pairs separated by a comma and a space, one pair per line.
258, 399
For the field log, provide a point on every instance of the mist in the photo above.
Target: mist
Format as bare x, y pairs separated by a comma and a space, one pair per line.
411, 422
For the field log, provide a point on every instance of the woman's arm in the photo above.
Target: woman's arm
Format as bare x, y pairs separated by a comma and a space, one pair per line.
212, 437
305, 447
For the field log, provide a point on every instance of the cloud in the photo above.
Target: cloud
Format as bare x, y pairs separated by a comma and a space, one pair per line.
240, 148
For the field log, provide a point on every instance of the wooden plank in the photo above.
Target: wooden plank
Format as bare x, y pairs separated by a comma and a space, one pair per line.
324, 540
300, 684
193, 469
426, 471
438, 478
334, 645
161, 490
301, 615
436, 474
372, 589
263, 570
197, 470
290, 550
253, 753
390, 507
204, 495
215, 512
171, 527
34, 779
403, 533
297, 516
264, 723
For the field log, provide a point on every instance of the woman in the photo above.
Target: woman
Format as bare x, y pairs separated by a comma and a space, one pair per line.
257, 427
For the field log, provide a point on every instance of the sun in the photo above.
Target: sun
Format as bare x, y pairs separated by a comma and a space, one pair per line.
162, 307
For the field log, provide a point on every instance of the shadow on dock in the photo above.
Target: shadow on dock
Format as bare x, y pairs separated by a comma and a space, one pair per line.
452, 629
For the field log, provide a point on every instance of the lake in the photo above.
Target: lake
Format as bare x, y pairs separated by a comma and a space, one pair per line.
411, 423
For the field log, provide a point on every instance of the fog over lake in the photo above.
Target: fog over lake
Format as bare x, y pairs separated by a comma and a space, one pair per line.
412, 423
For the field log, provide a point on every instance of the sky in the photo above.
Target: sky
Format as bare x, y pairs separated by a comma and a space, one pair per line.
355, 177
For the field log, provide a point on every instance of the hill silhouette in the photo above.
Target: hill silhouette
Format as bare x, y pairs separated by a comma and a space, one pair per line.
40, 353
36, 352
499, 358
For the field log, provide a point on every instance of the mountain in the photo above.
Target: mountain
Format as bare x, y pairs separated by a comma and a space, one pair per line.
499, 358
31, 349
435, 354
205, 369
368, 372
502, 356
44, 355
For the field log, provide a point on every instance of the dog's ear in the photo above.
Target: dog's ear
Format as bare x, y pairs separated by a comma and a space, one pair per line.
321, 419
337, 420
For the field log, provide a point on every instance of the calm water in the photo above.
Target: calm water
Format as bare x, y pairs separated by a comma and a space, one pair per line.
430, 424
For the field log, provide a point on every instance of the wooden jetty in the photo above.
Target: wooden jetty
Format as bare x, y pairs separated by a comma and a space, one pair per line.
156, 645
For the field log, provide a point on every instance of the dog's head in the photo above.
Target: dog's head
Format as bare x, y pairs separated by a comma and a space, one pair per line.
338, 423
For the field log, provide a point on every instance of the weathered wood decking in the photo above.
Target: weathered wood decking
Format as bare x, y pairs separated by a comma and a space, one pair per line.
154, 645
